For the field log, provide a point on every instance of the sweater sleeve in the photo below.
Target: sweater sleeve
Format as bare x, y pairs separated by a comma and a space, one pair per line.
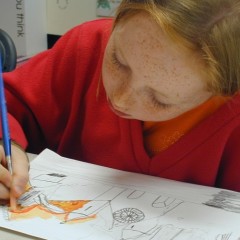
229, 169
41, 92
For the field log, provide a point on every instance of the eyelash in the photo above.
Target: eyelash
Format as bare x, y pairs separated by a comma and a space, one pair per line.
158, 104
115, 60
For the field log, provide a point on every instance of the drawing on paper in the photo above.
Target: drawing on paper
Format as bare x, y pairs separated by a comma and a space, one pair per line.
98, 207
39, 198
226, 200
134, 221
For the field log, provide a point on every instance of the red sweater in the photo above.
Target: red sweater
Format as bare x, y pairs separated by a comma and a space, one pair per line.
54, 98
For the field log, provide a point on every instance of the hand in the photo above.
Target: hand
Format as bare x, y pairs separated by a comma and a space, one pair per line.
15, 183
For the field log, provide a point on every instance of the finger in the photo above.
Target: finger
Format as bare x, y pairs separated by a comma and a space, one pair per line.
20, 173
5, 177
4, 201
2, 156
4, 193
5, 181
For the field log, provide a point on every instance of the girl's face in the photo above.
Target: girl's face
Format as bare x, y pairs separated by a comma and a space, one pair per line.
149, 77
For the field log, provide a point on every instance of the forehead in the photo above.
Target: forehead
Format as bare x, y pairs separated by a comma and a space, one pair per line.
141, 35
140, 29
149, 51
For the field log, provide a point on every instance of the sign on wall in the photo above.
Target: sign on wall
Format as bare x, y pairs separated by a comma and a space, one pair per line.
25, 22
107, 8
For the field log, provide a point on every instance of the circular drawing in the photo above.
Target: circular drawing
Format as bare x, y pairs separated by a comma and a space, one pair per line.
128, 215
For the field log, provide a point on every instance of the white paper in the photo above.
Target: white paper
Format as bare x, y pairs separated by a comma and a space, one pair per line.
70, 199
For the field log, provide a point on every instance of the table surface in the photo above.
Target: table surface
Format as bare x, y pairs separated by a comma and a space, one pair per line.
6, 234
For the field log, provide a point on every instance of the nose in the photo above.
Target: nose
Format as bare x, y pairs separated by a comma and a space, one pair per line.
124, 98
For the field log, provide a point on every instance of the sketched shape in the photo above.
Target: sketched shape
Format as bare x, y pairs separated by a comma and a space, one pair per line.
128, 215
162, 232
135, 194
226, 200
224, 236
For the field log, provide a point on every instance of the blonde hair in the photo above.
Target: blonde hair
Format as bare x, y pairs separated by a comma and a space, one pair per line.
209, 27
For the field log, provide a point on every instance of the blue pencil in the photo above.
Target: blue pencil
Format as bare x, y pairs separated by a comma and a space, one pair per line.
4, 123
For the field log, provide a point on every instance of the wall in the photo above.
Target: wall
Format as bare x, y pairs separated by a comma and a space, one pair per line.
62, 15
65, 14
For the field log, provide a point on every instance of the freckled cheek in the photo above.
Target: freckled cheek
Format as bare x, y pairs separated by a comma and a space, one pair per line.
113, 80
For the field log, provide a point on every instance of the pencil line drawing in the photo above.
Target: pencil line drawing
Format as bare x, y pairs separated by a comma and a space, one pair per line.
226, 200
111, 211
223, 236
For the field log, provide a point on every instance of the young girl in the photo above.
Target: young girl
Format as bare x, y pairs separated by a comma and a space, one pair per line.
154, 92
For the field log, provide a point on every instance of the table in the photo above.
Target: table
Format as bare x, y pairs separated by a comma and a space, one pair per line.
6, 234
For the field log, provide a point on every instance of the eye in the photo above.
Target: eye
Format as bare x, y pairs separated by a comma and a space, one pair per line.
157, 104
115, 60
